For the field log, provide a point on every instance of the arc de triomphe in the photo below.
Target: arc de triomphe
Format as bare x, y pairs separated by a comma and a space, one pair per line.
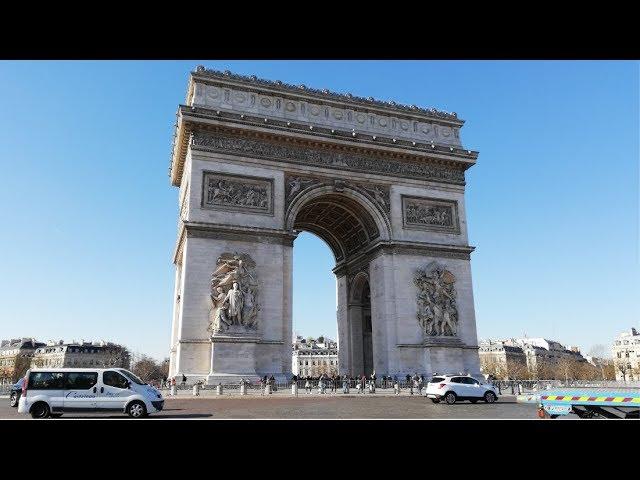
258, 161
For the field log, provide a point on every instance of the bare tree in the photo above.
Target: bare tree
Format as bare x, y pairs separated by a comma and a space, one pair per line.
23, 362
598, 350
147, 369
165, 368
117, 356
622, 367
491, 366
608, 369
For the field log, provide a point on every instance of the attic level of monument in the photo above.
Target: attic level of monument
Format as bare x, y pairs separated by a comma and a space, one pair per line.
317, 117
253, 83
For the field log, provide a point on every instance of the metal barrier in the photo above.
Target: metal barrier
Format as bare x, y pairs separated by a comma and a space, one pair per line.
515, 387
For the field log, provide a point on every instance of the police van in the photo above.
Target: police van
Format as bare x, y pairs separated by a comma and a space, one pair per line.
54, 391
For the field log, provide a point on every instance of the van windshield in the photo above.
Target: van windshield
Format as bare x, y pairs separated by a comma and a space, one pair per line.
131, 377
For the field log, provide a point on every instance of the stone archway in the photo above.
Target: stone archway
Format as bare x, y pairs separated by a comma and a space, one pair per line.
382, 184
350, 224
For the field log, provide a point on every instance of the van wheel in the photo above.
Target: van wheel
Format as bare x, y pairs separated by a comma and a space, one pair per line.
13, 400
490, 397
450, 398
136, 409
40, 410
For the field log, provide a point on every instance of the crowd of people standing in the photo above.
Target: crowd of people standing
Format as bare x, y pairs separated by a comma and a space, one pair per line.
360, 383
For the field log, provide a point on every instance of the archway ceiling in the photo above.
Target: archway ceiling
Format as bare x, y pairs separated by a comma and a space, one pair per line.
341, 222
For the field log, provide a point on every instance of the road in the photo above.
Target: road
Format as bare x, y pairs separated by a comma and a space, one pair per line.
317, 407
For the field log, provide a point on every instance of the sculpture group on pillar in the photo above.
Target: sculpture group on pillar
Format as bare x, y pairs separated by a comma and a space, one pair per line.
437, 311
234, 295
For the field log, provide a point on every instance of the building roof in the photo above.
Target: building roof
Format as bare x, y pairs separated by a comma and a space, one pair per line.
14, 343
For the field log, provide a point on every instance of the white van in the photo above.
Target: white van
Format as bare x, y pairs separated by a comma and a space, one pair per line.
54, 391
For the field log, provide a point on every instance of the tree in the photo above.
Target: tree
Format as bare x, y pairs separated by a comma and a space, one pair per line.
147, 369
23, 362
491, 366
608, 369
117, 356
165, 368
598, 350
321, 339
623, 368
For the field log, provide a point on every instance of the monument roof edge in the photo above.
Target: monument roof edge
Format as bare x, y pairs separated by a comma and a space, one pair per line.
253, 81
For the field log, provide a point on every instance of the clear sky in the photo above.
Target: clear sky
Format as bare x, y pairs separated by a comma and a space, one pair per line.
89, 217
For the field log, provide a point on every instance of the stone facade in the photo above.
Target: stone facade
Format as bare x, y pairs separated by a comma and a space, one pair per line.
516, 357
502, 360
626, 355
60, 354
313, 358
15, 357
257, 162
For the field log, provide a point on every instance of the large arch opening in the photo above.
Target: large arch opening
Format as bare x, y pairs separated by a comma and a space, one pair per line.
340, 221
347, 226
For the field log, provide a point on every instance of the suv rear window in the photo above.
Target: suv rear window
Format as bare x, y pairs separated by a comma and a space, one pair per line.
437, 379
46, 381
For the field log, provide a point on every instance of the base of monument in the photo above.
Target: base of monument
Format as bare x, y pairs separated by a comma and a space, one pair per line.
235, 378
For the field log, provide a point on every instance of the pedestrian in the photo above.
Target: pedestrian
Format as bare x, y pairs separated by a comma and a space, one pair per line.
262, 385
184, 380
363, 382
416, 382
173, 386
307, 386
372, 383
345, 384
396, 385
272, 382
410, 383
421, 385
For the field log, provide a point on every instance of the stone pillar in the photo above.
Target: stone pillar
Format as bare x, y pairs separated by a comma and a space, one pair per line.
383, 314
344, 333
356, 357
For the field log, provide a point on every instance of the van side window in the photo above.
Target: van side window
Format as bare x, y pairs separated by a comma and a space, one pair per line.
114, 379
81, 380
46, 380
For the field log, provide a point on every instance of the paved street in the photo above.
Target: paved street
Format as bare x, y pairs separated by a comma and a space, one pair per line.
318, 407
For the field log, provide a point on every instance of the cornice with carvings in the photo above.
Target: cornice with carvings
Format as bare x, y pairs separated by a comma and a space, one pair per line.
191, 119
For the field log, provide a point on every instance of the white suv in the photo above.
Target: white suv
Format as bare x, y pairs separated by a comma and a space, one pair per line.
452, 388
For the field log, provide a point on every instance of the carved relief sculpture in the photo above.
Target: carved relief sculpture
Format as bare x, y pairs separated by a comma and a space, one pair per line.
437, 310
234, 295
430, 214
379, 194
233, 192
215, 142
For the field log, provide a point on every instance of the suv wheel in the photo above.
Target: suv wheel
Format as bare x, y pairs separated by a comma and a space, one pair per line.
13, 400
40, 410
450, 398
490, 397
136, 409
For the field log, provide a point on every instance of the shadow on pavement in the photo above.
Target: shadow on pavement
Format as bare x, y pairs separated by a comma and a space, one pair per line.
150, 417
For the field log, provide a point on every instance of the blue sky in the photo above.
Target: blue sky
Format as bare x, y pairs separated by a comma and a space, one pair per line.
89, 217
